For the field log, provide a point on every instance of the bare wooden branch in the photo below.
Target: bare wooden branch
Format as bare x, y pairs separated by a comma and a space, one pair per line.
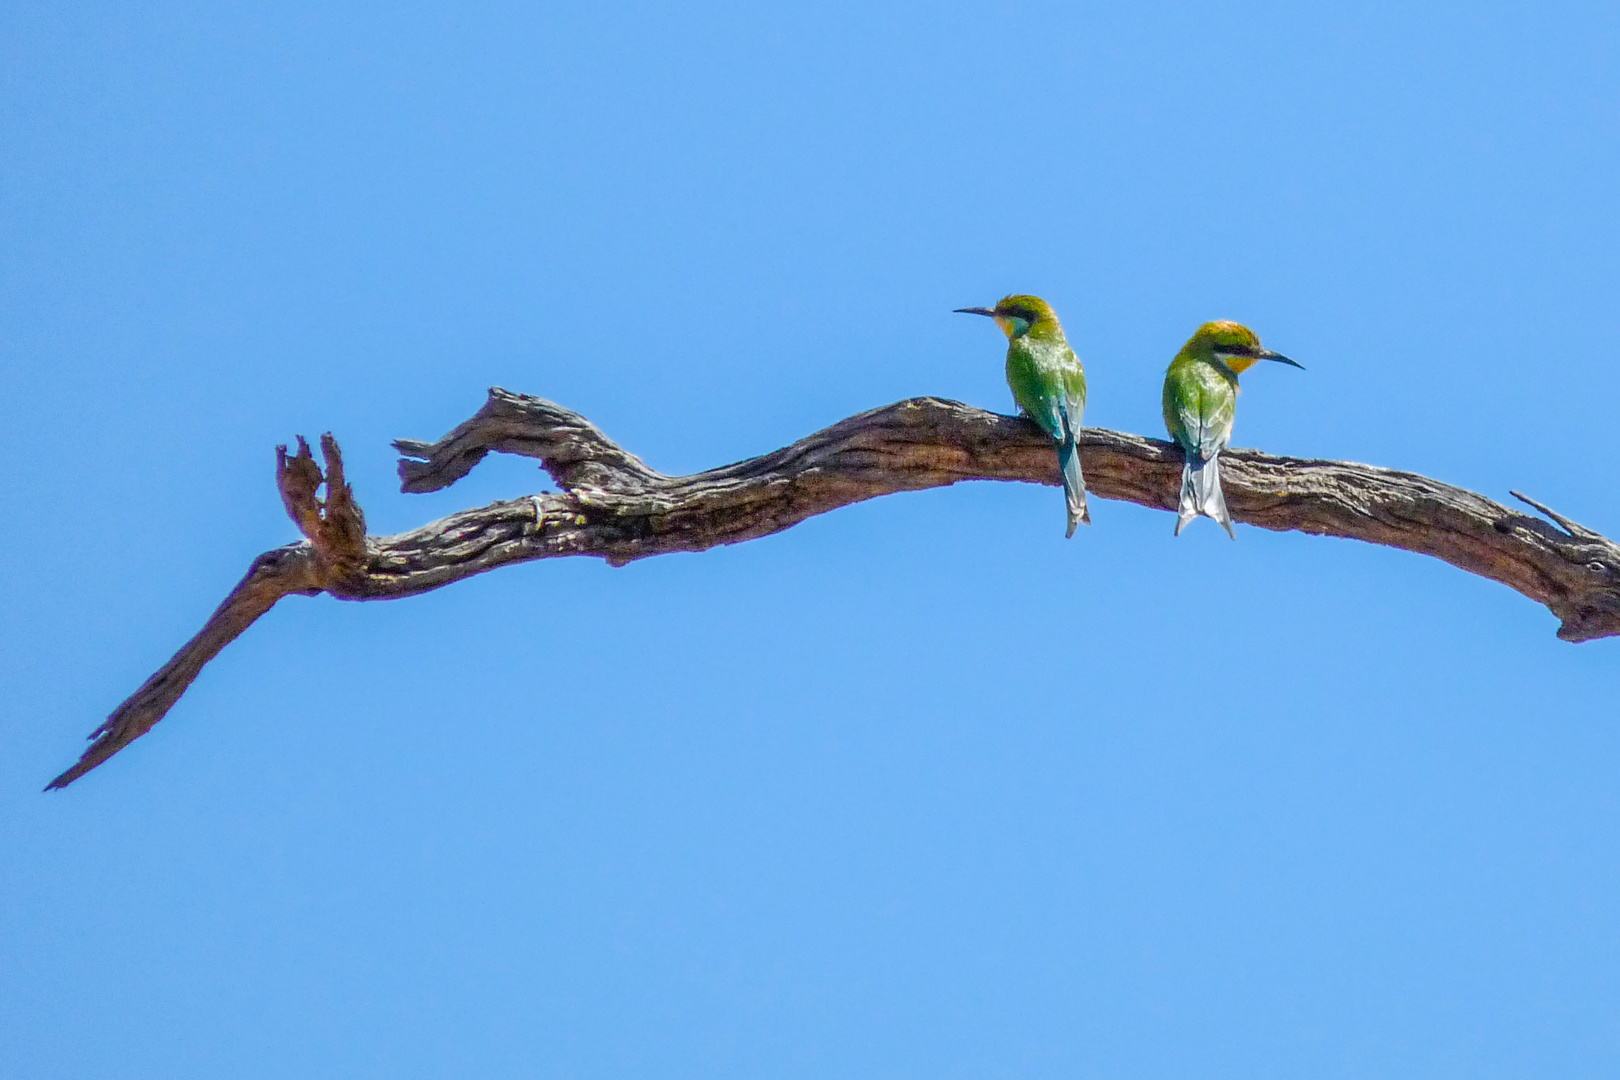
613, 506
273, 575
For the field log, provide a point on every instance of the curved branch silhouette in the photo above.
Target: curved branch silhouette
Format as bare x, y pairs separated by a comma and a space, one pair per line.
614, 507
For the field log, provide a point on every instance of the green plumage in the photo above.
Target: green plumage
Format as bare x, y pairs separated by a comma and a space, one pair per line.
1049, 385
1200, 402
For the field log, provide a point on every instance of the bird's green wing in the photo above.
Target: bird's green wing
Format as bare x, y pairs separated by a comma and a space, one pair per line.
1199, 405
1072, 386
1033, 388
1049, 384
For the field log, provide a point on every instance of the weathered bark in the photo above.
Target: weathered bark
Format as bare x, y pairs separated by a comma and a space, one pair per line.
614, 507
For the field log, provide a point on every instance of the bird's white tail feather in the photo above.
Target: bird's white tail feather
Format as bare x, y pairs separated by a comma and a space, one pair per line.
1201, 494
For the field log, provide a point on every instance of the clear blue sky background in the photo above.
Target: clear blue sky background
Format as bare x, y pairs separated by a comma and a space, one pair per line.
916, 789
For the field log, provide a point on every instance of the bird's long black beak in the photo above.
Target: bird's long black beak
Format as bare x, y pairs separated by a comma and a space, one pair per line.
1267, 354
976, 311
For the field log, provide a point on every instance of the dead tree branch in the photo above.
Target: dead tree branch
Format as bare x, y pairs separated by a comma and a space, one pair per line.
614, 507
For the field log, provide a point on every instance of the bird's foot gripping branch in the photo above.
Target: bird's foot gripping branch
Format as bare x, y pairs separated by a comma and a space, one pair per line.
612, 506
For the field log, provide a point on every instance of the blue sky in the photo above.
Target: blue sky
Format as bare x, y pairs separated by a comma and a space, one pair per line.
916, 788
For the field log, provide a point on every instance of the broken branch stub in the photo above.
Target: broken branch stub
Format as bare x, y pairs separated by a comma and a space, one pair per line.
335, 526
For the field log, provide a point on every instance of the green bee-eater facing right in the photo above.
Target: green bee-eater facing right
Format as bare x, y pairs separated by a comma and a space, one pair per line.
1200, 401
1048, 384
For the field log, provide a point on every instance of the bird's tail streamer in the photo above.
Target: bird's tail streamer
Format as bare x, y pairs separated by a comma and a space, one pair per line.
1201, 493
1074, 483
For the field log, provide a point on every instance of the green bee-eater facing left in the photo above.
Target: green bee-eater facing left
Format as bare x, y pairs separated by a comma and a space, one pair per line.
1200, 401
1048, 384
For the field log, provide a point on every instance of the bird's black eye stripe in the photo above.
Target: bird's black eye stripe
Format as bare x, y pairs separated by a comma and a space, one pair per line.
1238, 350
1022, 313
